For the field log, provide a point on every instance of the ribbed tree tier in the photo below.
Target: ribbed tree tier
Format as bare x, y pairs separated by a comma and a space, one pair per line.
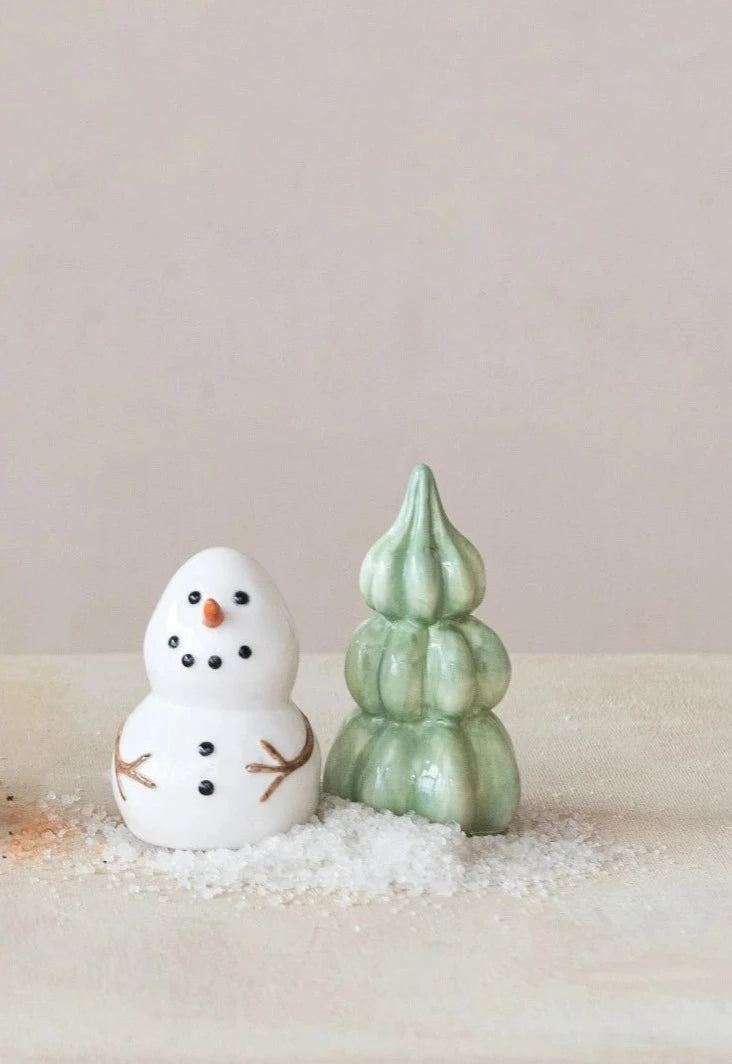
449, 771
411, 672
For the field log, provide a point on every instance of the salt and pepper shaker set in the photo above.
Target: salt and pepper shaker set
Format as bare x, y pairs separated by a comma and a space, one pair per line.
218, 754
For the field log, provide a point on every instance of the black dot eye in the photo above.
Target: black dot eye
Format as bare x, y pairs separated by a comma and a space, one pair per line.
205, 787
194, 597
188, 660
241, 598
205, 749
173, 641
245, 652
214, 662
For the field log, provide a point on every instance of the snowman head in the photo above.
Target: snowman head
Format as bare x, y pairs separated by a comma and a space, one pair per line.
221, 635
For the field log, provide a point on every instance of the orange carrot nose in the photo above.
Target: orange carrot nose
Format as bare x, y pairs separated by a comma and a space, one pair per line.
213, 615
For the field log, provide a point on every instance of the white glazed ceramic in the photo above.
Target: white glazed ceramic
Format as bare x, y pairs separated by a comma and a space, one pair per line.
217, 755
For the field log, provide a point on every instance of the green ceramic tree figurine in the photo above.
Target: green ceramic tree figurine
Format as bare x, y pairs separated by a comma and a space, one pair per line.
426, 676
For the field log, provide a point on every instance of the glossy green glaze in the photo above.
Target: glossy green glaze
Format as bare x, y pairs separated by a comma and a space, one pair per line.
426, 676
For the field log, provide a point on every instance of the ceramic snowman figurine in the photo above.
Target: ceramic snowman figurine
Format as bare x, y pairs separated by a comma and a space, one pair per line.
217, 755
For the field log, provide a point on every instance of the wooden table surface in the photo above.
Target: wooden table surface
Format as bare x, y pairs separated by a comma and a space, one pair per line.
635, 965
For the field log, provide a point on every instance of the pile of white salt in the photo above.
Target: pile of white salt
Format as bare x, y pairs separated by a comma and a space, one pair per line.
347, 852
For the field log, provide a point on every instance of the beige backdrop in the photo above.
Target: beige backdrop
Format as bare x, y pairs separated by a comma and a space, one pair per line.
259, 258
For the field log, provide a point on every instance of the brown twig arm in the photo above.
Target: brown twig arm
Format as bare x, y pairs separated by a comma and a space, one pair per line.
130, 769
283, 768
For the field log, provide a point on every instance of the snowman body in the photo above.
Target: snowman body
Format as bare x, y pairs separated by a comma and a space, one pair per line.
217, 755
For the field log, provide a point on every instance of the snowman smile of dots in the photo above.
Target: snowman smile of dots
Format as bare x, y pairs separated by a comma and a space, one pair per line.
217, 755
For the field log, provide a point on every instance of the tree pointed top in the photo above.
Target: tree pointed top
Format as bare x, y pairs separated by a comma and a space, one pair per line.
422, 568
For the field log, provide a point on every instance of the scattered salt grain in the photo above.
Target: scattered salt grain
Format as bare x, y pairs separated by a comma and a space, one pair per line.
347, 852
